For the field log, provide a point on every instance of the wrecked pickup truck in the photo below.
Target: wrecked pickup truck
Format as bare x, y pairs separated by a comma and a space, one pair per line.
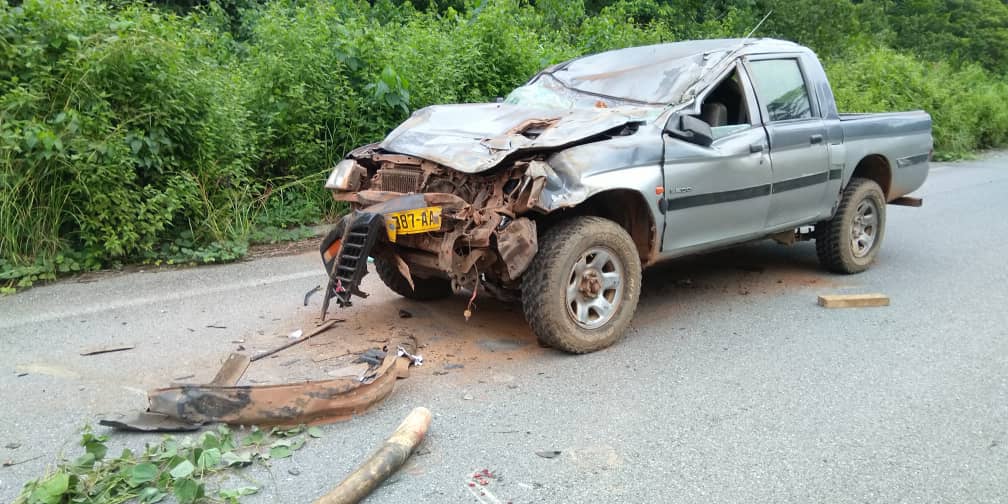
605, 164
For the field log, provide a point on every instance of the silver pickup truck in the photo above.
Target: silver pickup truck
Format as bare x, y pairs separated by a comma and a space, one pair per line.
559, 194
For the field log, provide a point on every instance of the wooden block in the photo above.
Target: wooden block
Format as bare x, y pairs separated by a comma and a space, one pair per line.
853, 300
232, 370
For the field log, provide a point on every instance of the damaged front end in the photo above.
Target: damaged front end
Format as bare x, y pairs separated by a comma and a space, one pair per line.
431, 221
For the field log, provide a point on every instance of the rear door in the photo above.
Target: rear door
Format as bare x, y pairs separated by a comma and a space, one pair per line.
798, 138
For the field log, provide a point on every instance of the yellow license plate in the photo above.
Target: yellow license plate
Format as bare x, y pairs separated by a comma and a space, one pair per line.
420, 220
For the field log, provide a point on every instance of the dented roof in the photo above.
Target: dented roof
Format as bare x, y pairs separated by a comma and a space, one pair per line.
570, 102
656, 74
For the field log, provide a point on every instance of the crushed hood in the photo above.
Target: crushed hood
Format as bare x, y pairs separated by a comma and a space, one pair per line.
476, 137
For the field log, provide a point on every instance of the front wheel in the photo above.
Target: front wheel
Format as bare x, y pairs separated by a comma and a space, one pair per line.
581, 290
423, 289
849, 242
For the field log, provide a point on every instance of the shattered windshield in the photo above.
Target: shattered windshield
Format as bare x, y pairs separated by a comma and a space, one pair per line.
658, 75
547, 92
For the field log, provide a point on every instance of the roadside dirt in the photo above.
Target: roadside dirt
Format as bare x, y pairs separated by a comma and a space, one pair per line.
261, 250
450, 345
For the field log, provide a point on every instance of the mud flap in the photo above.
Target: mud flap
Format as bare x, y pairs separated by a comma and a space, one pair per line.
344, 253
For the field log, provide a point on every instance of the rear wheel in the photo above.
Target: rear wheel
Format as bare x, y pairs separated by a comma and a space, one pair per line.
849, 242
581, 290
423, 289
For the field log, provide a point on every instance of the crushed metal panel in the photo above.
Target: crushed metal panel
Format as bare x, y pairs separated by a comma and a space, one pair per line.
151, 422
284, 404
473, 138
518, 245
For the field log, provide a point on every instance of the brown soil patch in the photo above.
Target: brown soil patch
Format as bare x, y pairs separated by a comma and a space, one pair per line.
496, 333
282, 249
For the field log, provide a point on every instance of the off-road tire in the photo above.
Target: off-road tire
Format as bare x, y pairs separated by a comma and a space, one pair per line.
833, 237
544, 284
426, 289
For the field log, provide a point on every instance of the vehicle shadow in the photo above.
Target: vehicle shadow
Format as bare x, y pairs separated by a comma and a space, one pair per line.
700, 282
762, 268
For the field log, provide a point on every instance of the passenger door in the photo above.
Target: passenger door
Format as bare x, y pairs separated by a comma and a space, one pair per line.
717, 194
798, 139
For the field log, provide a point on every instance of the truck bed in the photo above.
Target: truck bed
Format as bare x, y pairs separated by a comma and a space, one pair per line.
902, 139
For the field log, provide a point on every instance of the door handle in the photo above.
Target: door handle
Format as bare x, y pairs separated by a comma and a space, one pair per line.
756, 147
815, 139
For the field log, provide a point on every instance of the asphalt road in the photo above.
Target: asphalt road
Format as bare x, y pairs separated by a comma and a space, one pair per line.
733, 385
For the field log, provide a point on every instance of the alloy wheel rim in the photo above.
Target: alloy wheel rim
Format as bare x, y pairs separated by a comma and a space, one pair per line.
864, 229
594, 288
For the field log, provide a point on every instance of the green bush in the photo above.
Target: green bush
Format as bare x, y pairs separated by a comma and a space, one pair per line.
118, 131
966, 104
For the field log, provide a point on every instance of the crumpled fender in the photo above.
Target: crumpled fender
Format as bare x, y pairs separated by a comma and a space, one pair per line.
575, 174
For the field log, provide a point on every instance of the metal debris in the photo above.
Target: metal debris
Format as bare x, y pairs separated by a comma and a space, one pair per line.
151, 422
416, 360
104, 350
322, 328
309, 294
371, 356
283, 404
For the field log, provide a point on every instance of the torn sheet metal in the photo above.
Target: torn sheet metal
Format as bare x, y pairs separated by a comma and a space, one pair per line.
415, 360
473, 138
284, 404
518, 245
150, 422
105, 350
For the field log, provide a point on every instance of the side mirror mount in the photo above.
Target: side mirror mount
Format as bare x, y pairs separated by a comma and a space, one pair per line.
689, 129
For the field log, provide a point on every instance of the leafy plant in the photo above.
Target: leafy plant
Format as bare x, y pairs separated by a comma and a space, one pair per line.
181, 468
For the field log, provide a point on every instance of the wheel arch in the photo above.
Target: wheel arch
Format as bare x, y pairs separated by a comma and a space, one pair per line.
625, 207
876, 167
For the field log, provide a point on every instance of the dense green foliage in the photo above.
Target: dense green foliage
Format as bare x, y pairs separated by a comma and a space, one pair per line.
118, 130
178, 129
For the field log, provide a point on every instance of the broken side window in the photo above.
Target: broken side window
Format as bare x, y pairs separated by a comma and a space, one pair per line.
725, 108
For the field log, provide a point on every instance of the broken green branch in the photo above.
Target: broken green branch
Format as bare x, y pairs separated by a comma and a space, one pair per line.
178, 467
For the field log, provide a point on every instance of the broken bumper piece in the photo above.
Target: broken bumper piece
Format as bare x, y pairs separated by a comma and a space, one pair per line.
345, 251
285, 404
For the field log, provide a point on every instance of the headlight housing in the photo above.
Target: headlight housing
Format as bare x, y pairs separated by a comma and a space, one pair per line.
344, 177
